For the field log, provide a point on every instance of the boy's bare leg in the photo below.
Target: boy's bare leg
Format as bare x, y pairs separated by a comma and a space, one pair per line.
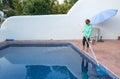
83, 47
87, 49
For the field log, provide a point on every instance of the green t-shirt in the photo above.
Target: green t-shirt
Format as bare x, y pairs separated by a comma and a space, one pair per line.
87, 30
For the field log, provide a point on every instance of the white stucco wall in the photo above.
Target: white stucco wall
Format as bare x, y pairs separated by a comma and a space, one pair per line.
83, 9
62, 27
44, 27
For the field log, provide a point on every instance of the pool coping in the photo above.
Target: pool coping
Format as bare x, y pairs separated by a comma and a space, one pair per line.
6, 44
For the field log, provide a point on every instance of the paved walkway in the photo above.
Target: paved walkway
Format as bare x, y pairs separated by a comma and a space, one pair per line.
107, 52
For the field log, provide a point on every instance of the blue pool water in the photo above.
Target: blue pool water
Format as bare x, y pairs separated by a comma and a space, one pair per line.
48, 72
45, 62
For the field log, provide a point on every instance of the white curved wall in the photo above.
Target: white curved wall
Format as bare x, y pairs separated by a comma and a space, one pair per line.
39, 28
2, 36
62, 27
83, 9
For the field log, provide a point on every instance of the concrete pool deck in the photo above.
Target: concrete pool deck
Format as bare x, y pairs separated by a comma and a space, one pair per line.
107, 52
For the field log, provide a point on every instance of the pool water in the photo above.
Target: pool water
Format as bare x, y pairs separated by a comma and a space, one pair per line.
48, 72
61, 62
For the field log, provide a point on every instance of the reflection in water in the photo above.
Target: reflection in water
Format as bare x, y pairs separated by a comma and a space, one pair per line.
91, 72
48, 72
84, 69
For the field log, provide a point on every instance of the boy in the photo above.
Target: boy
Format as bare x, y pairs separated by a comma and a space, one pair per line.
87, 33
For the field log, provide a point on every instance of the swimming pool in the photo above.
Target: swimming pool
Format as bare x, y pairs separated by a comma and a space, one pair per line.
29, 60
